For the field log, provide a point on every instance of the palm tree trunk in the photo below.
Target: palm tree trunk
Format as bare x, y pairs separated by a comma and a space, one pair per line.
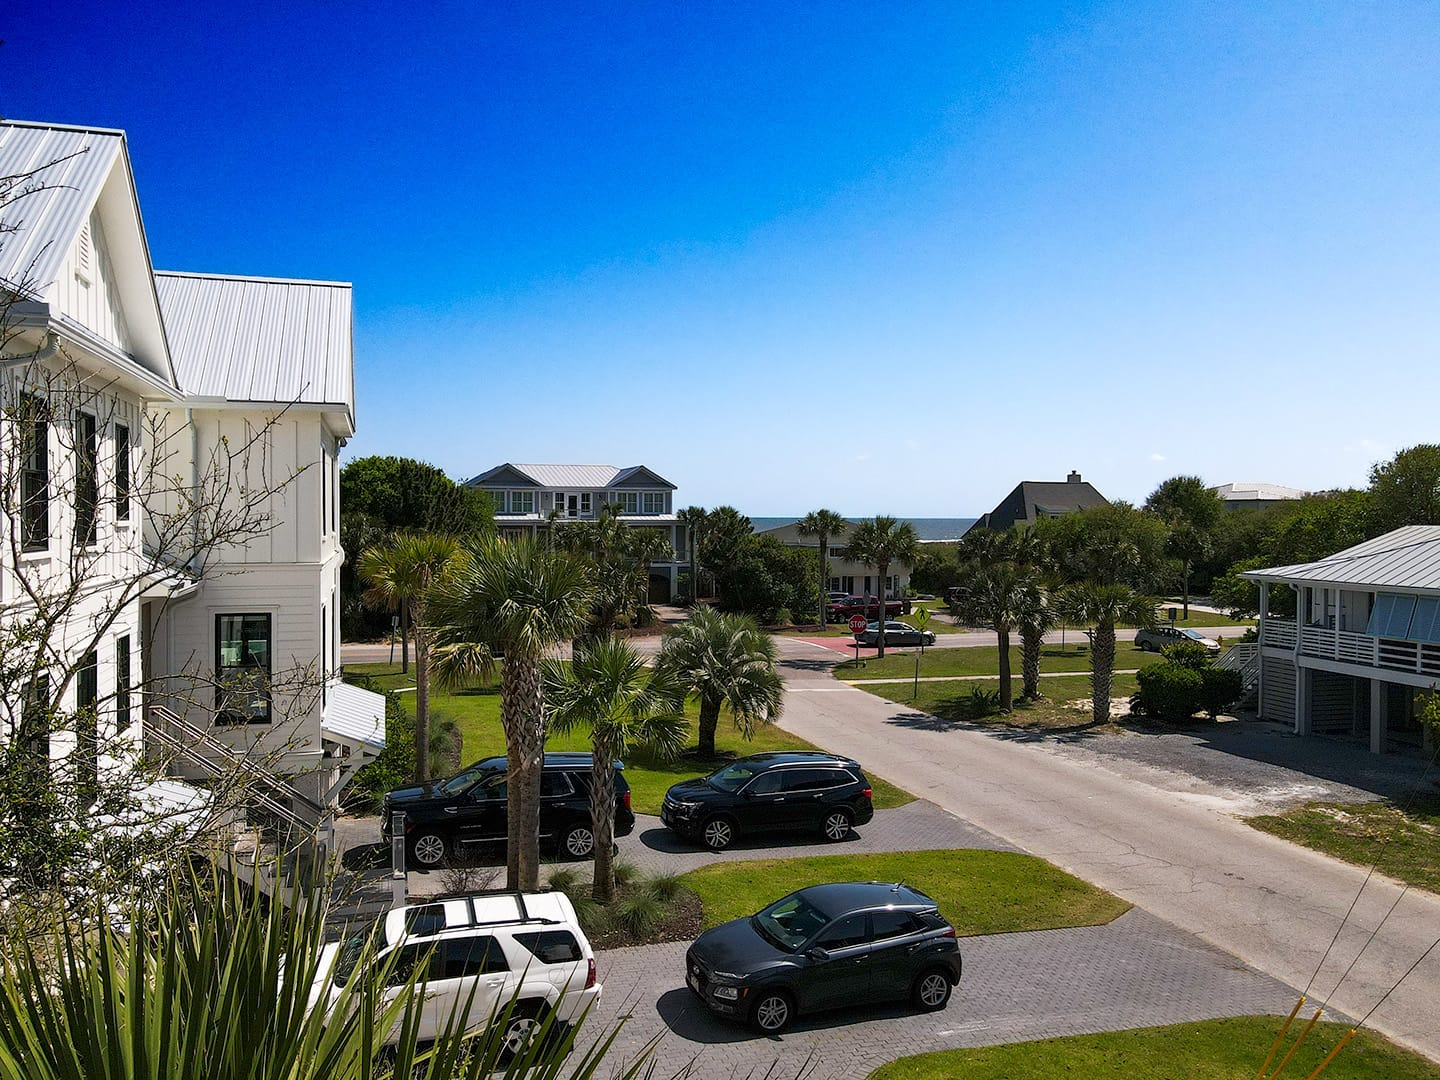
422, 705
709, 721
880, 591
602, 812
1185, 595
522, 714
1002, 636
1031, 643
404, 638
824, 578
1102, 668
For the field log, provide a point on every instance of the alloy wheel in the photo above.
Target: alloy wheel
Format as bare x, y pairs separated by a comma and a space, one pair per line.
579, 842
837, 826
429, 850
518, 1035
772, 1013
718, 834
934, 990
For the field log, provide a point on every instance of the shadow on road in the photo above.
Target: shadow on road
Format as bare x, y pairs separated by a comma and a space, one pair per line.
796, 664
688, 1018
663, 840
366, 857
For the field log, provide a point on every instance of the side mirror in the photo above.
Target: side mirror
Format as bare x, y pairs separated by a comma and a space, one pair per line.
817, 954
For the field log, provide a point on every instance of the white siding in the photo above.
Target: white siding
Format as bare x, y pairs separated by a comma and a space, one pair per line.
86, 288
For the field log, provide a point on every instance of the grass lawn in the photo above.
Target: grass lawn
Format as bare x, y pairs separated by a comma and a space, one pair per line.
953, 702
986, 661
1200, 618
477, 714
1231, 1049
1356, 832
980, 892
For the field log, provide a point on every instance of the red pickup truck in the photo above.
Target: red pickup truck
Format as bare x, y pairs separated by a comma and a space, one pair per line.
869, 606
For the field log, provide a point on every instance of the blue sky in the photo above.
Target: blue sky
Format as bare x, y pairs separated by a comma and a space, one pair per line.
882, 258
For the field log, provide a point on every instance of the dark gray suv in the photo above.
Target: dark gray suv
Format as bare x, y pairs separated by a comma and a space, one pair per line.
850, 943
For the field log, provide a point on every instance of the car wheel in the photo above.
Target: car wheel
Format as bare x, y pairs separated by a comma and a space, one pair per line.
836, 826
931, 991
578, 842
772, 1013
429, 850
718, 833
520, 1031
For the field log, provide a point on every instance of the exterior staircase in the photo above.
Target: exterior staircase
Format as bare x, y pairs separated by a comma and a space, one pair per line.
1244, 658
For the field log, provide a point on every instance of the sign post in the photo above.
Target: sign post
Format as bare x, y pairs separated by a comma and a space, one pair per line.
922, 622
398, 882
857, 627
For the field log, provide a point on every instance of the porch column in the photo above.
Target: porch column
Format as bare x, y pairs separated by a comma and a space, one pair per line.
1260, 650
1303, 678
1379, 700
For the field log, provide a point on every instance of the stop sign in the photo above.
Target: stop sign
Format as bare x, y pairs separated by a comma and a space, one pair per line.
858, 624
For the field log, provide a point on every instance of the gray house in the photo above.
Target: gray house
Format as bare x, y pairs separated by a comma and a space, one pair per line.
532, 498
1033, 499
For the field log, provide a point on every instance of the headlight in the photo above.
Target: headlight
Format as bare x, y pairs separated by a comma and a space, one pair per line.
727, 993
685, 807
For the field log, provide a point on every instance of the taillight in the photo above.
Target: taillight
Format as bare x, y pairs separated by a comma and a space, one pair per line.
868, 793
949, 932
590, 973
626, 799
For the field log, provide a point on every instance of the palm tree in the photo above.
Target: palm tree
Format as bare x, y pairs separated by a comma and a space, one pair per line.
1034, 617
606, 689
727, 661
878, 542
694, 518
823, 524
993, 596
1102, 607
520, 599
645, 545
407, 569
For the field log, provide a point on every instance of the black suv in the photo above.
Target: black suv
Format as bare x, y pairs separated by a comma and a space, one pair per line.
446, 819
850, 943
790, 791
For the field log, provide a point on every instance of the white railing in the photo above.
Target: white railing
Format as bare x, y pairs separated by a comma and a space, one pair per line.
1244, 658
1344, 645
1277, 633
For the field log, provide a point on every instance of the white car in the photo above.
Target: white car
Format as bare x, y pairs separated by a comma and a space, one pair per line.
498, 947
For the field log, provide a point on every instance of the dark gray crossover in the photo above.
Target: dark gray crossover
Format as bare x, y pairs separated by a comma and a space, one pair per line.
849, 943
787, 791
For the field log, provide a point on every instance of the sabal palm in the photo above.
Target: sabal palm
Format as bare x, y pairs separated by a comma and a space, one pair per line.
694, 519
994, 596
727, 662
521, 599
1103, 607
607, 690
878, 542
407, 569
823, 524
1034, 618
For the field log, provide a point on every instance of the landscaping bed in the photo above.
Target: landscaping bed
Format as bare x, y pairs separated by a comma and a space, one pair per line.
1230, 1049
1064, 707
1405, 843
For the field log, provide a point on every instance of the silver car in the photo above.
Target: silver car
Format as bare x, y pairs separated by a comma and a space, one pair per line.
896, 633
1157, 639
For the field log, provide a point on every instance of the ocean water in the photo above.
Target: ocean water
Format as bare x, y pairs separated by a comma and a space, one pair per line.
928, 529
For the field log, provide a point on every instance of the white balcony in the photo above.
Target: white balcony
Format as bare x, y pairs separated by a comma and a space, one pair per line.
1351, 648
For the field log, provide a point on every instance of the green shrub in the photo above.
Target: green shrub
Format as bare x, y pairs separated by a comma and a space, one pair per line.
984, 702
626, 873
638, 914
664, 887
783, 617
1187, 654
644, 616
1169, 691
1222, 688
566, 879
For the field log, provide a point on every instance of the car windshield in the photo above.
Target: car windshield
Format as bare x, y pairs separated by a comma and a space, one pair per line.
465, 780
790, 922
733, 776
1193, 635
351, 950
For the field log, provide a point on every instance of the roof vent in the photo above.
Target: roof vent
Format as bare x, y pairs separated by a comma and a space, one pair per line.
1073, 478
84, 256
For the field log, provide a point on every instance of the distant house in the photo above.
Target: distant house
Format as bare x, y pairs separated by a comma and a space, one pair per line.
532, 498
1035, 499
1256, 496
1365, 642
853, 578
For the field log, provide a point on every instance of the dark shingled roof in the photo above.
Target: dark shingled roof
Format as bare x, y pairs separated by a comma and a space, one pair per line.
1034, 499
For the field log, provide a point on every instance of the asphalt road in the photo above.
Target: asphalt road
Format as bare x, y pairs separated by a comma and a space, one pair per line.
1172, 849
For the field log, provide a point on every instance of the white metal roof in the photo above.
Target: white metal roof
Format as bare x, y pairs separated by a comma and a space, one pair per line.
354, 716
260, 339
1257, 492
570, 476
73, 165
1407, 559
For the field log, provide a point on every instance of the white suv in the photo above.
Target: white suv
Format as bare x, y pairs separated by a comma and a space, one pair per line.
495, 946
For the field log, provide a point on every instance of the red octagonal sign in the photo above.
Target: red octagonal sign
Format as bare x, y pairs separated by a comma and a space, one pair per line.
858, 624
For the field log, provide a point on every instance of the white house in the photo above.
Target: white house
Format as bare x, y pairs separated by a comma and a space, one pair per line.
531, 498
176, 376
853, 578
1365, 639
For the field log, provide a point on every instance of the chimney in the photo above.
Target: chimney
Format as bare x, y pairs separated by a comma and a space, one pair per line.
1073, 478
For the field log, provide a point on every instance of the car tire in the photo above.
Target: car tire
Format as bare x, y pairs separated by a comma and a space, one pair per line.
520, 1030
835, 825
772, 1012
429, 851
578, 842
931, 990
717, 833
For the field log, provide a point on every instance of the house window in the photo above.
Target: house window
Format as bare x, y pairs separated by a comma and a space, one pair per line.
836, 552
242, 669
87, 741
629, 501
522, 502
122, 684
122, 473
35, 482
87, 491
35, 719
653, 502
498, 499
